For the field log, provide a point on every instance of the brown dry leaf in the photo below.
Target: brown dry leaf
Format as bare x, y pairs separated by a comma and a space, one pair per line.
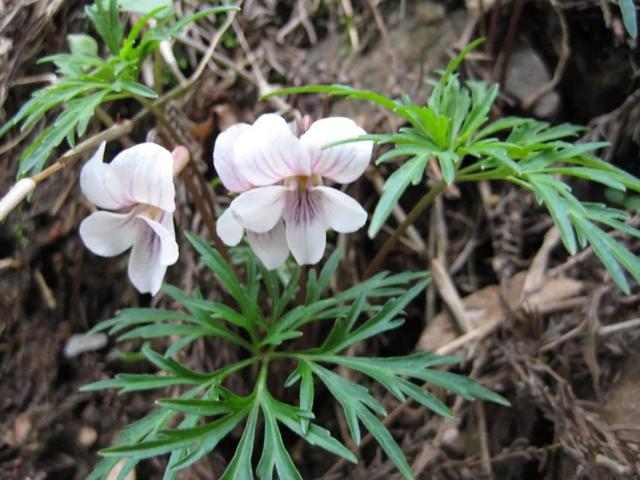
621, 405
491, 304
482, 306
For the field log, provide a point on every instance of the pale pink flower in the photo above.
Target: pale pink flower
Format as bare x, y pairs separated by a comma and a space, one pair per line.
137, 186
283, 204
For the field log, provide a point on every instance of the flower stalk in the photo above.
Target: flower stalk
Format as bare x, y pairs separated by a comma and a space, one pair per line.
412, 216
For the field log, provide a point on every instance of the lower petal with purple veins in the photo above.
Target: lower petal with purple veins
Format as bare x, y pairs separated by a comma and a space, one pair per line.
306, 226
162, 228
154, 249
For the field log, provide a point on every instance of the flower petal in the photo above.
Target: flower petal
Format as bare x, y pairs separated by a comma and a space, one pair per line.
166, 234
108, 234
341, 163
270, 247
342, 212
268, 152
260, 209
229, 229
92, 182
306, 226
154, 248
143, 174
224, 161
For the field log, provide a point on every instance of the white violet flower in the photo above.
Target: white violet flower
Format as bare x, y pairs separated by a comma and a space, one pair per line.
137, 186
283, 204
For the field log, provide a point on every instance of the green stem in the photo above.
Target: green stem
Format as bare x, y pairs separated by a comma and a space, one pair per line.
223, 373
261, 383
157, 72
415, 212
115, 96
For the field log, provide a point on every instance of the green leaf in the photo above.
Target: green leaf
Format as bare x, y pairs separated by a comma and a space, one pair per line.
431, 129
605, 178
82, 44
315, 435
288, 295
276, 338
211, 433
447, 162
223, 272
505, 123
338, 90
134, 316
328, 269
320, 437
102, 469
136, 382
128, 52
180, 24
165, 330
240, 466
558, 209
410, 172
351, 396
342, 326
384, 320
107, 23
274, 453
400, 151
306, 393
459, 384
386, 441
137, 89
78, 113
172, 366
205, 309
609, 252
205, 408
458, 59
482, 101
387, 372
426, 399
179, 456
144, 6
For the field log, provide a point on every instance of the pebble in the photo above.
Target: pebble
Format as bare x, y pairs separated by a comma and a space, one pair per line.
80, 343
87, 436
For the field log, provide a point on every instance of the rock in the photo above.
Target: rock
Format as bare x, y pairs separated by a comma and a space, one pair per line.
526, 75
420, 38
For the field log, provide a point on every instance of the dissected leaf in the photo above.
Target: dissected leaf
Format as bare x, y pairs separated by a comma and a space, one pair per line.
410, 172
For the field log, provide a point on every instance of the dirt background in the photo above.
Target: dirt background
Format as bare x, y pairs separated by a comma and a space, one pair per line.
540, 322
